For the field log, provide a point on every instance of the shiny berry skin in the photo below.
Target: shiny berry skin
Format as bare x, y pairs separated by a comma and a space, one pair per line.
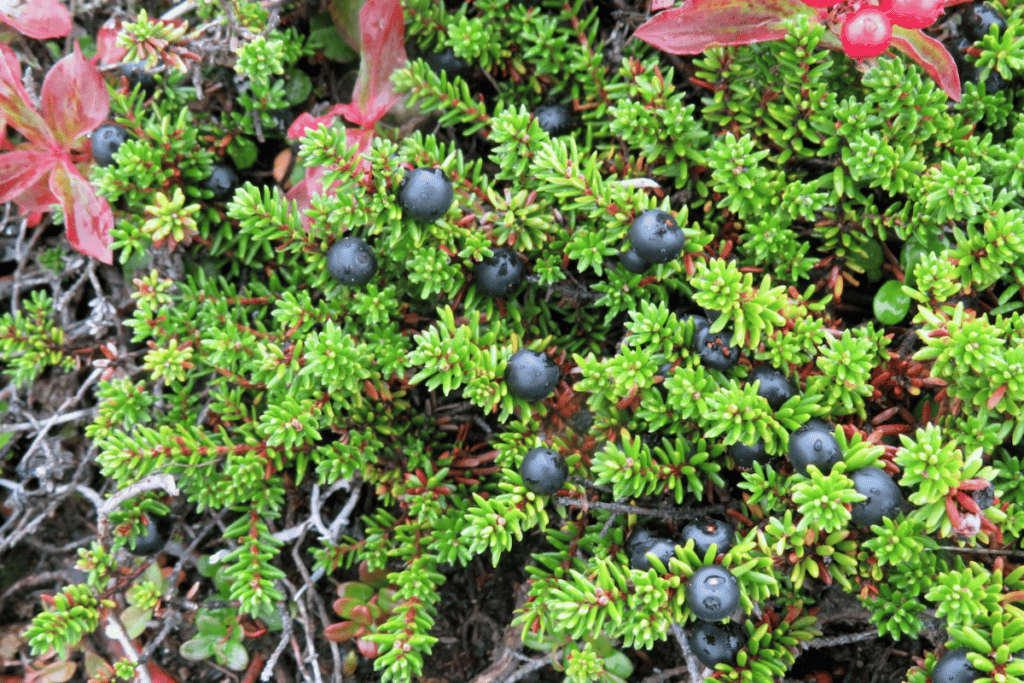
632, 262
638, 539
106, 140
814, 444
543, 471
745, 455
137, 74
891, 304
707, 532
773, 387
954, 667
222, 182
151, 542
531, 375
866, 32
716, 350
446, 61
425, 194
656, 237
978, 18
499, 274
714, 643
661, 548
712, 593
556, 119
700, 326
351, 261
883, 497
911, 13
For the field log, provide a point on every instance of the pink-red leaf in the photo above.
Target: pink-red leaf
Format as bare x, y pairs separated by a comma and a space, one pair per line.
20, 172
74, 98
16, 104
700, 24
933, 57
37, 18
382, 50
107, 49
88, 219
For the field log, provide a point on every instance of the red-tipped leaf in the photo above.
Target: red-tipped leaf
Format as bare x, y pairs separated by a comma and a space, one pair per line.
37, 18
933, 57
88, 219
700, 24
382, 50
16, 104
74, 98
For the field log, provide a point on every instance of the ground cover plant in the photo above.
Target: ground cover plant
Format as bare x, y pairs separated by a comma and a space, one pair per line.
584, 341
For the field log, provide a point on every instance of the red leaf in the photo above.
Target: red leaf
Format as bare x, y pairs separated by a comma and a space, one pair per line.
87, 217
996, 397
107, 49
37, 18
931, 55
657, 5
16, 104
74, 98
382, 40
22, 178
700, 24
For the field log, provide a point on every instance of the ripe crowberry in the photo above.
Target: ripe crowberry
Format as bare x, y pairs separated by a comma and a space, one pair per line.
814, 444
106, 140
661, 548
954, 667
911, 13
700, 326
499, 274
639, 538
632, 262
151, 542
543, 471
351, 261
866, 32
222, 182
707, 532
447, 61
978, 18
745, 455
531, 375
425, 194
883, 496
773, 387
656, 237
712, 593
714, 643
556, 119
716, 350
137, 74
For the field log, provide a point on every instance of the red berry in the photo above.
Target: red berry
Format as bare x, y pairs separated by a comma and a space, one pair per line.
866, 33
820, 3
912, 13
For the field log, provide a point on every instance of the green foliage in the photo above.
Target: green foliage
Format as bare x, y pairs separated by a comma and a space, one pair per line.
31, 341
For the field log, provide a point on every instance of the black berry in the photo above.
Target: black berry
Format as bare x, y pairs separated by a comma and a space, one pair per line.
745, 455
425, 194
814, 444
656, 237
712, 593
556, 119
716, 350
978, 18
661, 548
883, 496
499, 274
632, 262
150, 542
446, 61
222, 182
351, 261
714, 643
638, 539
137, 74
543, 471
984, 497
700, 325
707, 532
106, 140
581, 421
954, 667
531, 375
774, 387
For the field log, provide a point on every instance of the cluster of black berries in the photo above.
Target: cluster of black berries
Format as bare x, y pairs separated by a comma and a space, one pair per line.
974, 25
109, 137
654, 237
